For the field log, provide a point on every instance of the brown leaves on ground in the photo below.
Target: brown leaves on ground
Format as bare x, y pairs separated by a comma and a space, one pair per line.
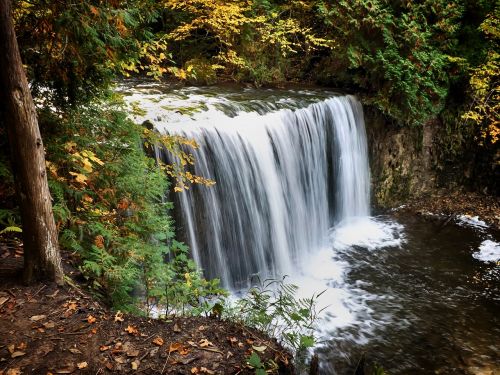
63, 331
457, 202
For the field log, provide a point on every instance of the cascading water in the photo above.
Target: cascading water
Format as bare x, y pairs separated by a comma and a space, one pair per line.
282, 180
292, 197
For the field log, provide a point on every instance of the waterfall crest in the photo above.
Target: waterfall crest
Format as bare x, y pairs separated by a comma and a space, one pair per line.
282, 180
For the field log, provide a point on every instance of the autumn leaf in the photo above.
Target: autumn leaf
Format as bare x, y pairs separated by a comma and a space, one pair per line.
205, 343
131, 330
91, 319
17, 354
81, 178
135, 364
82, 365
158, 341
103, 348
22, 346
36, 318
119, 316
176, 346
49, 325
75, 351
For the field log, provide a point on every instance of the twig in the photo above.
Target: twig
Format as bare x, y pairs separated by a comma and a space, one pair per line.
39, 290
166, 361
147, 338
210, 350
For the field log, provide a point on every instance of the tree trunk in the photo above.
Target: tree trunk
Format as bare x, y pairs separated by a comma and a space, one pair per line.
41, 250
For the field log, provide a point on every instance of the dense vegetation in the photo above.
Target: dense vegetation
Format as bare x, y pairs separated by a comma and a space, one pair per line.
413, 61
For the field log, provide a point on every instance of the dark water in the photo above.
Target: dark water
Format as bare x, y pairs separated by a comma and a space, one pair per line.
436, 309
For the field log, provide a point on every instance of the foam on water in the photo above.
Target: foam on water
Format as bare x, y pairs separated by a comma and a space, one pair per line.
366, 232
489, 251
471, 221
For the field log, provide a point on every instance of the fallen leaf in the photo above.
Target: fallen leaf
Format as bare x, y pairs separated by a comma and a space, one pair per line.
119, 316
3, 300
132, 353
68, 369
174, 347
120, 359
192, 343
82, 365
75, 351
11, 348
201, 328
184, 351
17, 354
22, 346
195, 370
205, 343
71, 305
158, 341
131, 330
36, 318
233, 340
49, 325
259, 349
103, 348
250, 342
13, 371
91, 319
135, 364
206, 371
176, 328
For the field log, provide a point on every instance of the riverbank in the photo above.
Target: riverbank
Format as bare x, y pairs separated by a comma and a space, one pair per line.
456, 204
64, 330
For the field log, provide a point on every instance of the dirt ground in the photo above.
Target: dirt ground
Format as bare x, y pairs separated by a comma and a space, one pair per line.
46, 329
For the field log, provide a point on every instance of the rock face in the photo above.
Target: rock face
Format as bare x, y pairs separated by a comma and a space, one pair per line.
410, 162
402, 159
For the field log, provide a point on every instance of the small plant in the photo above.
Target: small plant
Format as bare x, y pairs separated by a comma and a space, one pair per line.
260, 367
272, 307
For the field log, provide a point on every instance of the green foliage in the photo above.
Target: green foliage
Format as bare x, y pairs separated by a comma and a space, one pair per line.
273, 308
110, 209
397, 54
78, 48
255, 362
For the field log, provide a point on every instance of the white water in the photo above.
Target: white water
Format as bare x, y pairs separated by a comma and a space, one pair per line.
292, 193
489, 251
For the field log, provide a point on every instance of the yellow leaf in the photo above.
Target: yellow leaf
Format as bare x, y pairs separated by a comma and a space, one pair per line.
81, 178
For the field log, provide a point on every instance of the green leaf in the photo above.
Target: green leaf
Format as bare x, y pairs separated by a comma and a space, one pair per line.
254, 361
11, 229
306, 341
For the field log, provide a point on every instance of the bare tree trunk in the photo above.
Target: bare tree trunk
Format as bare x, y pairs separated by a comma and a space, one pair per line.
41, 250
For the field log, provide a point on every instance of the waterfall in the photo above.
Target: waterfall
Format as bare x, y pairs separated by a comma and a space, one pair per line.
282, 180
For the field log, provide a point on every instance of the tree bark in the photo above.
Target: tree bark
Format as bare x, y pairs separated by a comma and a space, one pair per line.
42, 260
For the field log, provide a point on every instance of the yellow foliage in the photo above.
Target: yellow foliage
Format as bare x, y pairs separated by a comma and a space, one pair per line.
485, 85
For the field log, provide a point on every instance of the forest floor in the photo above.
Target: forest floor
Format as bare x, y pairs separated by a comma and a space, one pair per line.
46, 329
456, 204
